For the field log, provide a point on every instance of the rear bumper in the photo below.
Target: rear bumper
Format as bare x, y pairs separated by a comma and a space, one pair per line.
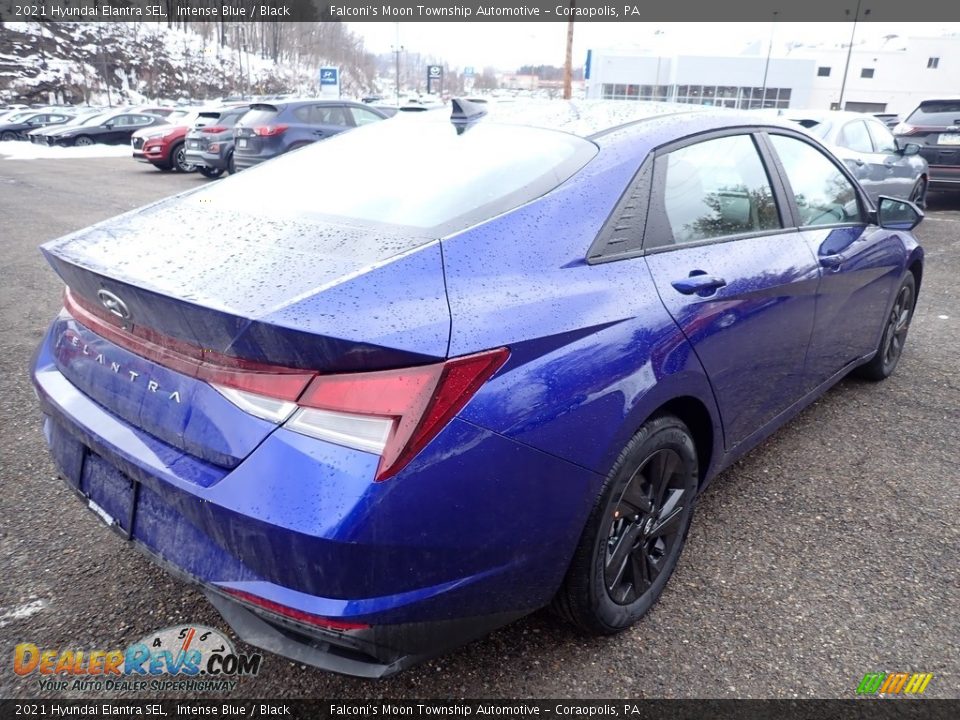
426, 562
216, 161
243, 161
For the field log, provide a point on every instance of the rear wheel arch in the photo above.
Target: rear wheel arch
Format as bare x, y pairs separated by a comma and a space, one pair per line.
695, 415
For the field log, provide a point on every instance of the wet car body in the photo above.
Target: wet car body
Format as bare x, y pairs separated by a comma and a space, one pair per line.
374, 424
882, 164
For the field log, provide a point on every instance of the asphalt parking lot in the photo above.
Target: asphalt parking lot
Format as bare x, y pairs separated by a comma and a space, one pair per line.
831, 551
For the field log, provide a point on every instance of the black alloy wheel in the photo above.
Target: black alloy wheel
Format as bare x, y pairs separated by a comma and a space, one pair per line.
894, 336
636, 531
83, 141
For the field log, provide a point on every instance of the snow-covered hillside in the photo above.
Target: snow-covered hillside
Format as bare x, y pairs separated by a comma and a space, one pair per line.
134, 62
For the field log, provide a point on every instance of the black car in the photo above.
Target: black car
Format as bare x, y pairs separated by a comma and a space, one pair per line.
271, 129
114, 130
16, 127
92, 116
210, 147
935, 126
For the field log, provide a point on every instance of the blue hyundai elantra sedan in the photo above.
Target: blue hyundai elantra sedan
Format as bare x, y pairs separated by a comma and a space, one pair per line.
387, 393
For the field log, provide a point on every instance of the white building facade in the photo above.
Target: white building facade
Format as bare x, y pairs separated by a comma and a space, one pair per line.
893, 77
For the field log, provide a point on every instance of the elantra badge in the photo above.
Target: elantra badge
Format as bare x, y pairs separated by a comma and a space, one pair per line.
114, 304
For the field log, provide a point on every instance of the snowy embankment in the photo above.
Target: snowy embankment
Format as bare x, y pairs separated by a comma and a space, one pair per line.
15, 150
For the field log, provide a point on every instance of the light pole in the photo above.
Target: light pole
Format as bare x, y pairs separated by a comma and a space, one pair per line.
397, 49
655, 95
846, 68
766, 67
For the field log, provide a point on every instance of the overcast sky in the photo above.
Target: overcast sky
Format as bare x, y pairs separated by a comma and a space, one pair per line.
509, 45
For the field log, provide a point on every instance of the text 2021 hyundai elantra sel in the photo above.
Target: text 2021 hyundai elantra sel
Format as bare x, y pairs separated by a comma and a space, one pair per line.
376, 414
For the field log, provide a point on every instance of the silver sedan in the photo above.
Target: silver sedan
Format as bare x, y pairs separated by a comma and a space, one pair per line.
882, 165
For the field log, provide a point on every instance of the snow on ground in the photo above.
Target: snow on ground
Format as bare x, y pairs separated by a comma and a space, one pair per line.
17, 150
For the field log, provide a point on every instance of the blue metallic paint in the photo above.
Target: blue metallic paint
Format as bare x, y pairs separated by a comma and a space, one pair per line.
485, 519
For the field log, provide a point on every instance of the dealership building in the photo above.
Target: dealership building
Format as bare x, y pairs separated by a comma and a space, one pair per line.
892, 75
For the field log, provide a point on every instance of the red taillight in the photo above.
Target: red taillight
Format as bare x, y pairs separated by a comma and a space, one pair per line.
214, 129
418, 401
293, 613
269, 130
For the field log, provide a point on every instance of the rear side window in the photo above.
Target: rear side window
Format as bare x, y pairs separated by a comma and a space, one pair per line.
329, 115
854, 136
936, 112
883, 141
717, 188
823, 194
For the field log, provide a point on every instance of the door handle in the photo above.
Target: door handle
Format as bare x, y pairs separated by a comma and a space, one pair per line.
858, 161
831, 262
702, 285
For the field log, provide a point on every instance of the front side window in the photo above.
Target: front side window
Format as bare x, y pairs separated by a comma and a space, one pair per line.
362, 116
823, 194
717, 188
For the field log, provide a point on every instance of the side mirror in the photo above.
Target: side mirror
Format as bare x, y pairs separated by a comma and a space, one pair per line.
910, 149
897, 214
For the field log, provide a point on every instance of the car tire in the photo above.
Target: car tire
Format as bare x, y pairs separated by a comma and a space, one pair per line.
231, 166
894, 335
209, 172
83, 141
918, 196
635, 533
7, 136
178, 159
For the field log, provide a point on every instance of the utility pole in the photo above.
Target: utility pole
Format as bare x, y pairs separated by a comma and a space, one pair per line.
568, 63
397, 49
766, 68
846, 68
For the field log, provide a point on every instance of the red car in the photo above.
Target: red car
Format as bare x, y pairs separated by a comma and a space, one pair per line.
163, 146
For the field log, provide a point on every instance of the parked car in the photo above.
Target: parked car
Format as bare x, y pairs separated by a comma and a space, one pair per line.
385, 412
935, 126
881, 164
165, 147
83, 117
271, 129
210, 147
116, 129
16, 127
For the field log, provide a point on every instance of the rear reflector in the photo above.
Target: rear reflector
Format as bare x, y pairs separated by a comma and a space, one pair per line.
293, 613
214, 129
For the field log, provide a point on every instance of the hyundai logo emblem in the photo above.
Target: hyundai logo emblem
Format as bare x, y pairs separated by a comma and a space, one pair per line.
114, 304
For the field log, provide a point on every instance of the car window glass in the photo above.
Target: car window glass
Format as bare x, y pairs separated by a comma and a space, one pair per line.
302, 113
936, 112
883, 141
362, 116
121, 121
716, 188
328, 115
823, 194
854, 136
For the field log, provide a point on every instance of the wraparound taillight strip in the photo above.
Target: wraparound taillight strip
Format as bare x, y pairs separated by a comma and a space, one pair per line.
391, 413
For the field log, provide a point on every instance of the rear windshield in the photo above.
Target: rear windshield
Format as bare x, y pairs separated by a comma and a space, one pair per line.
936, 112
260, 114
412, 171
